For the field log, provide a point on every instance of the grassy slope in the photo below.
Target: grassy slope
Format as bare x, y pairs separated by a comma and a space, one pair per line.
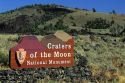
82, 16
23, 19
13, 15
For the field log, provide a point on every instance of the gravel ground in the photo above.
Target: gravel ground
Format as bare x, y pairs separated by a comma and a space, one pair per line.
70, 74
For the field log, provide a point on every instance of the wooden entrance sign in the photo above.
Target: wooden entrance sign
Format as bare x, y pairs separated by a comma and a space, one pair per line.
56, 50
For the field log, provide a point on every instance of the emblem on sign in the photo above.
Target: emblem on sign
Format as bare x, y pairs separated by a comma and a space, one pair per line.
21, 55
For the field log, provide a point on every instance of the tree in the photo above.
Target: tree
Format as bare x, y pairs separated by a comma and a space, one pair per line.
113, 12
93, 9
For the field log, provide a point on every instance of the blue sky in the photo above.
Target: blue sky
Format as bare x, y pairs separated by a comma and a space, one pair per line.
100, 5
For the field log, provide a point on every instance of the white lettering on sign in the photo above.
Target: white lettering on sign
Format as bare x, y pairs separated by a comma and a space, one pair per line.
58, 46
58, 54
33, 55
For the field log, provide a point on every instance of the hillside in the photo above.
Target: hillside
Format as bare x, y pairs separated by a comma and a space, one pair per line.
80, 17
27, 18
39, 19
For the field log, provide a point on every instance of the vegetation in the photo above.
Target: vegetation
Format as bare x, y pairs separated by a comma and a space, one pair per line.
4, 60
37, 19
98, 23
50, 28
117, 30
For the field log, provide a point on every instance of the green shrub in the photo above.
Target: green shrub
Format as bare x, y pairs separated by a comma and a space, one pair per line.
116, 29
73, 23
98, 23
13, 39
4, 59
71, 17
58, 26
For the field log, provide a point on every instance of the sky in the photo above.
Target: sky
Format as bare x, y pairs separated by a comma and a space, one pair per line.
100, 5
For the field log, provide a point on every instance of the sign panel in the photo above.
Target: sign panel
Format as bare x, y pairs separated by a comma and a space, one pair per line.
56, 50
